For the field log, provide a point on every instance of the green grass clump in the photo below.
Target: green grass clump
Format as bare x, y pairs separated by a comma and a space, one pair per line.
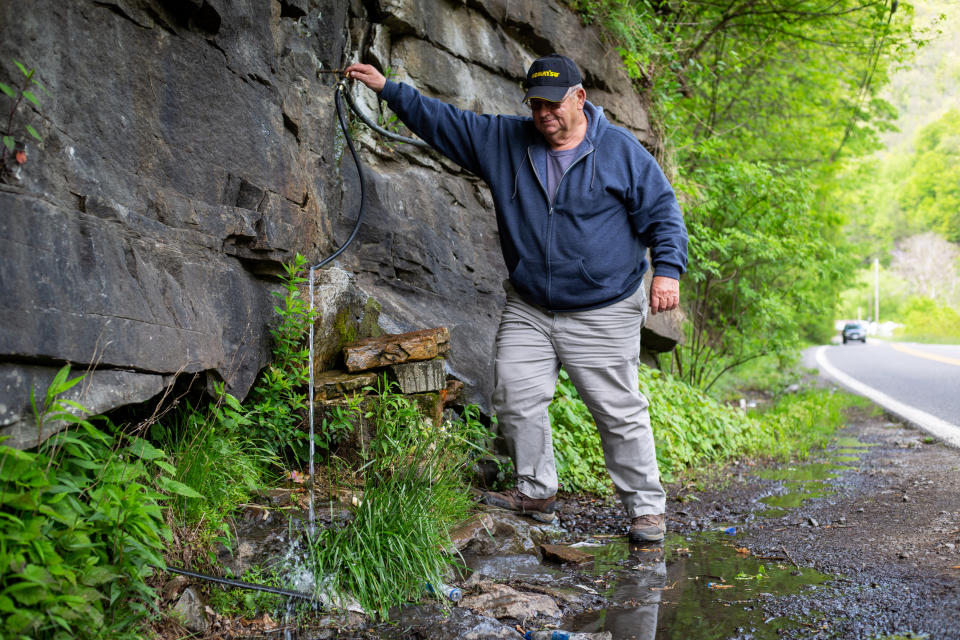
413, 493
217, 459
692, 428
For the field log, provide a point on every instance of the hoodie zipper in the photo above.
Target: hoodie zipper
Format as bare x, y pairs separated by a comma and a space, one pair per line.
549, 241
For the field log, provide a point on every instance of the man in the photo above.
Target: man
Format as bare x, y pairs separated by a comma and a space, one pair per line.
578, 201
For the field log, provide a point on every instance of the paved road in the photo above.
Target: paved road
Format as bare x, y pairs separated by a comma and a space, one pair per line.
917, 381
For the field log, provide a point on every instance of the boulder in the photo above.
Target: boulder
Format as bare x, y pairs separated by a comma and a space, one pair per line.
145, 233
500, 601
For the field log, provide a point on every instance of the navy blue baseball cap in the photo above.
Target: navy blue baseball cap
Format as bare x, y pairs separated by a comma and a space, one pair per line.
550, 77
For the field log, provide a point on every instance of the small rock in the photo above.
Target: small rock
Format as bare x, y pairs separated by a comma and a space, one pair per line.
564, 553
568, 596
950, 545
190, 609
860, 510
336, 384
479, 526
419, 377
176, 585
488, 630
277, 497
906, 498
813, 522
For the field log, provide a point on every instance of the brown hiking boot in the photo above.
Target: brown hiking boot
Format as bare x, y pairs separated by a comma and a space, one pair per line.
648, 528
541, 510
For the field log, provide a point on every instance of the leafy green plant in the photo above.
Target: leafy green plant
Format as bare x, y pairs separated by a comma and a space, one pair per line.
757, 103
393, 418
278, 401
81, 527
245, 603
12, 128
576, 442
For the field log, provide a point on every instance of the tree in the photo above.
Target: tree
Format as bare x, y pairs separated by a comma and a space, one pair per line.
931, 190
929, 264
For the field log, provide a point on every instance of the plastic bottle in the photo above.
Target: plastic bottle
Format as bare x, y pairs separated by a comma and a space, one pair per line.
454, 594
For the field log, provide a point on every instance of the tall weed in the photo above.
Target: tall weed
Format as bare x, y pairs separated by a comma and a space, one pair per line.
278, 402
216, 457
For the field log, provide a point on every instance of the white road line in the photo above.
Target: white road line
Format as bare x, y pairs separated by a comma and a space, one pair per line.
949, 433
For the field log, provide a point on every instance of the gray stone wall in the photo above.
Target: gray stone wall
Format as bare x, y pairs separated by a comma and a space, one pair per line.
190, 149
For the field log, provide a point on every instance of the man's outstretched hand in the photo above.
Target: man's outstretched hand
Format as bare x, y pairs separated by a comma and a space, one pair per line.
366, 74
664, 294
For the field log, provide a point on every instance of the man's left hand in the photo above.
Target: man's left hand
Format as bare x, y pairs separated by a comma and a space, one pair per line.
664, 294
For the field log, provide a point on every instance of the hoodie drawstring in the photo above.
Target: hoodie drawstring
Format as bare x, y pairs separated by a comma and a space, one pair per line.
516, 178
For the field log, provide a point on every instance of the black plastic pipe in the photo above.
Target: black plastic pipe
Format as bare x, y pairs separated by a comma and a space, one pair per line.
386, 134
244, 585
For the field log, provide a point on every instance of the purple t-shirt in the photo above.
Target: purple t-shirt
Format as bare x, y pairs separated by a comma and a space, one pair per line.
557, 163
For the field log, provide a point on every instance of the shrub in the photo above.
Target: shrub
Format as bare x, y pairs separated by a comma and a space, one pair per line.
691, 428
80, 528
926, 320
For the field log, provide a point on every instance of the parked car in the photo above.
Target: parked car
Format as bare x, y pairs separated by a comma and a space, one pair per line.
854, 331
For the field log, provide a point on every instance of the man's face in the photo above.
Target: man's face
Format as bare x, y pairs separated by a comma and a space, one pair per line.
557, 119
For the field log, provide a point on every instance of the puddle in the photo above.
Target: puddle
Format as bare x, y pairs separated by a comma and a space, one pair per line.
695, 587
810, 480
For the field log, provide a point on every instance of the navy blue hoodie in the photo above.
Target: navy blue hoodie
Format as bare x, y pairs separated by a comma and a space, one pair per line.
587, 250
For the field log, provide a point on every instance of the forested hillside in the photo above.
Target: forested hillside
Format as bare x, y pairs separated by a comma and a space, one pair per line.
903, 202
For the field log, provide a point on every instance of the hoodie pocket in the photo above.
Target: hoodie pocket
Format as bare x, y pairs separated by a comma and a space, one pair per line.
573, 287
587, 277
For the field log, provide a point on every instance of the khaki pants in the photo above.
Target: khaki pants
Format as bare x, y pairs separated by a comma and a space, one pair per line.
600, 350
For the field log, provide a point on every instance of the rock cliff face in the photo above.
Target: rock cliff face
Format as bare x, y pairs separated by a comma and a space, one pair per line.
190, 149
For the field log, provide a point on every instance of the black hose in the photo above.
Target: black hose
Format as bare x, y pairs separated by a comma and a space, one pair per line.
387, 134
363, 181
244, 585
338, 100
